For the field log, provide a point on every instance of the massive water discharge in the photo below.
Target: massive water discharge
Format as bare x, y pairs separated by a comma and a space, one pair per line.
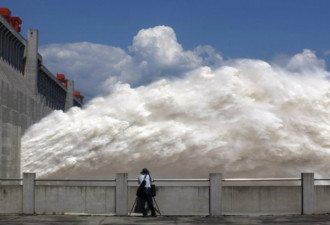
244, 119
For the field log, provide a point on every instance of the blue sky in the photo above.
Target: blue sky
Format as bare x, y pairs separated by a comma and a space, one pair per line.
261, 29
245, 28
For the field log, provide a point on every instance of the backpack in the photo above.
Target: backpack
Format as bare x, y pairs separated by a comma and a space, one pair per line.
140, 190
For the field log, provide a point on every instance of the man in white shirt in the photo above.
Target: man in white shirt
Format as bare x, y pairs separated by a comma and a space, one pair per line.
147, 196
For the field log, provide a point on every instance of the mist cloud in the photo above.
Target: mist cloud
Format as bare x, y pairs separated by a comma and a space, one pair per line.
306, 63
246, 118
243, 117
159, 48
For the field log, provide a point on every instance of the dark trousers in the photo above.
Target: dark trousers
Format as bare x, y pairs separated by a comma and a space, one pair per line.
147, 197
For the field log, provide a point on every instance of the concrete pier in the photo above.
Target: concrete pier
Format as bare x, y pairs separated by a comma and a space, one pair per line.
215, 194
307, 193
28, 193
121, 194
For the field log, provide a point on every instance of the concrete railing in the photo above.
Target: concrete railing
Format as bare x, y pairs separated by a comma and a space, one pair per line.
213, 196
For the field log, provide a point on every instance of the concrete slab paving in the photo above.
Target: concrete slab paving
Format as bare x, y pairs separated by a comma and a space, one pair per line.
162, 220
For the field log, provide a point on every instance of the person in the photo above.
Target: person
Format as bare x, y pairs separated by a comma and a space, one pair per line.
147, 196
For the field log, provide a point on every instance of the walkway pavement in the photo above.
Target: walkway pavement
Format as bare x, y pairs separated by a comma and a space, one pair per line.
162, 220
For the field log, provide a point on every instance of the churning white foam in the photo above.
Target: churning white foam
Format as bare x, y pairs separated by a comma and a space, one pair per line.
246, 118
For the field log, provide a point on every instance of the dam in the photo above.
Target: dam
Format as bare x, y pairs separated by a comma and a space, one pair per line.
243, 128
28, 90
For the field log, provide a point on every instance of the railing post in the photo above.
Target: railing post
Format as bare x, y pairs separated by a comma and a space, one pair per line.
215, 194
121, 194
28, 193
307, 191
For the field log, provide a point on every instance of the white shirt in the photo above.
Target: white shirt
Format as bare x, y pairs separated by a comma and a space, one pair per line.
141, 178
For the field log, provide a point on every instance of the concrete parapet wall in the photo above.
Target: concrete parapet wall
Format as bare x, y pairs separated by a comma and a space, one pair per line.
185, 201
75, 199
322, 199
178, 200
245, 200
118, 198
11, 198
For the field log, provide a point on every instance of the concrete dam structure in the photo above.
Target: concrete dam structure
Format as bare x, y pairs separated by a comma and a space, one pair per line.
28, 90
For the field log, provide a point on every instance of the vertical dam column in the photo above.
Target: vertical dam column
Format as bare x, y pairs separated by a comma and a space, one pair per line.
10, 134
31, 66
69, 95
1, 94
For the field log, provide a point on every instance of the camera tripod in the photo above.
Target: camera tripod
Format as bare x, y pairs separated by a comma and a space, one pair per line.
139, 199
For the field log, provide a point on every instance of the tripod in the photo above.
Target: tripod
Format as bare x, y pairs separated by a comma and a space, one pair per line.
154, 200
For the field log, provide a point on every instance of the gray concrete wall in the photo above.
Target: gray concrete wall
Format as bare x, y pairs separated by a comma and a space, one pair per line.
172, 200
243, 200
19, 108
74, 199
236, 200
106, 197
321, 199
11, 198
10, 154
178, 200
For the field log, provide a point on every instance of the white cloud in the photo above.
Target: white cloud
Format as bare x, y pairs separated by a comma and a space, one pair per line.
307, 62
88, 64
209, 55
155, 54
158, 46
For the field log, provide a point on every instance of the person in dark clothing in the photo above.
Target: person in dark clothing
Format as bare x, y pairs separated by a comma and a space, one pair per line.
147, 196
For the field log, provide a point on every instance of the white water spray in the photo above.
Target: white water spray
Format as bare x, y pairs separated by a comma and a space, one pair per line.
247, 119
